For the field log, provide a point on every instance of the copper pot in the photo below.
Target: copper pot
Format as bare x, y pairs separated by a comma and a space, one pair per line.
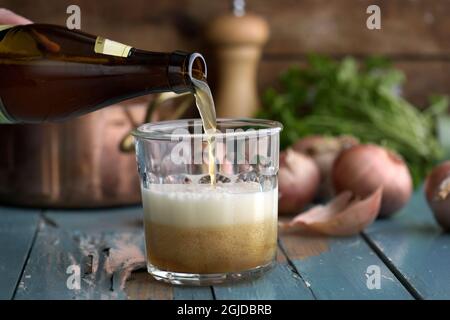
81, 163
73, 164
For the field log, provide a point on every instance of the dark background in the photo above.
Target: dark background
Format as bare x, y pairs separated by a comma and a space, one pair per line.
415, 33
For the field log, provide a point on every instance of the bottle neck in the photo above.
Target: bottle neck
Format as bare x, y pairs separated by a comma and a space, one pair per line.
179, 67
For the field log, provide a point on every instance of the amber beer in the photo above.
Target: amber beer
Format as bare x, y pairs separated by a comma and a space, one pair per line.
204, 229
50, 73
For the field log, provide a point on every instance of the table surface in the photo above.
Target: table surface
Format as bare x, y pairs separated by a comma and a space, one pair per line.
410, 251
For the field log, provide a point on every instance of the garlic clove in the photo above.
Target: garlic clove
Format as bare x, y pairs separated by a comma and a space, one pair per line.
342, 216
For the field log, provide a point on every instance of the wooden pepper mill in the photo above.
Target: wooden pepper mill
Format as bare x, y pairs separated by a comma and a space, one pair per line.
237, 38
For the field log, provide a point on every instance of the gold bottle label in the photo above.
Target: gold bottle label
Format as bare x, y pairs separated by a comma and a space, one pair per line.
112, 48
6, 26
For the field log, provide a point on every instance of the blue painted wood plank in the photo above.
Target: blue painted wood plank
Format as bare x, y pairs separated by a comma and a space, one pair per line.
17, 231
335, 268
280, 283
55, 250
192, 293
92, 240
142, 286
108, 245
124, 219
417, 247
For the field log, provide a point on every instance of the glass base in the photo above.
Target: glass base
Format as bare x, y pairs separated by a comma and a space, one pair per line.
192, 279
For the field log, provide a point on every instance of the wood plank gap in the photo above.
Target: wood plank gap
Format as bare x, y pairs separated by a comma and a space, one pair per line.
36, 231
213, 293
293, 268
408, 286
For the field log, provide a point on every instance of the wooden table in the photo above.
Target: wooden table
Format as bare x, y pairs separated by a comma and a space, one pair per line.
37, 247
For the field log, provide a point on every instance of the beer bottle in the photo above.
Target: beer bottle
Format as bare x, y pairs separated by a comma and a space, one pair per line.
51, 73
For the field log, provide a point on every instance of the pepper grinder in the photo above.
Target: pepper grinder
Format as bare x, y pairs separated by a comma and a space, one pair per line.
238, 38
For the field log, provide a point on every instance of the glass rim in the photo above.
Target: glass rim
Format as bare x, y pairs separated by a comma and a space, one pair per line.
160, 130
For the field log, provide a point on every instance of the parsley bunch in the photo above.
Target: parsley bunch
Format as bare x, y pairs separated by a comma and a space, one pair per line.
331, 97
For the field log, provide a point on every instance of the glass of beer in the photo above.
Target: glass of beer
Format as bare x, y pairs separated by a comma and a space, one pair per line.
210, 200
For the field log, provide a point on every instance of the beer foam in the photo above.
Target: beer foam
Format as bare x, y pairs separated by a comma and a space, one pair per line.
204, 205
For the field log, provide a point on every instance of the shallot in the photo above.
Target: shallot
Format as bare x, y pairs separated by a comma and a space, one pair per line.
437, 192
298, 181
362, 169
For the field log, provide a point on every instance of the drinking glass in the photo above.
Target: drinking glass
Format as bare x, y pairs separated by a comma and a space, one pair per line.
197, 232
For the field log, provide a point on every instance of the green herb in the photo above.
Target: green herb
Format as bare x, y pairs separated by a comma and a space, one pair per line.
332, 98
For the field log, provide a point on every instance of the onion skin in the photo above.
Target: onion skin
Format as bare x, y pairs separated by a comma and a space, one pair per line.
437, 192
362, 169
298, 181
342, 216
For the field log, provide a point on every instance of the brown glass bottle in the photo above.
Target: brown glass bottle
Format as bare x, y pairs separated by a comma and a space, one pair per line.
51, 73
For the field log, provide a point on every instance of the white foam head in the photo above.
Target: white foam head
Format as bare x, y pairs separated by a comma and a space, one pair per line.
201, 205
